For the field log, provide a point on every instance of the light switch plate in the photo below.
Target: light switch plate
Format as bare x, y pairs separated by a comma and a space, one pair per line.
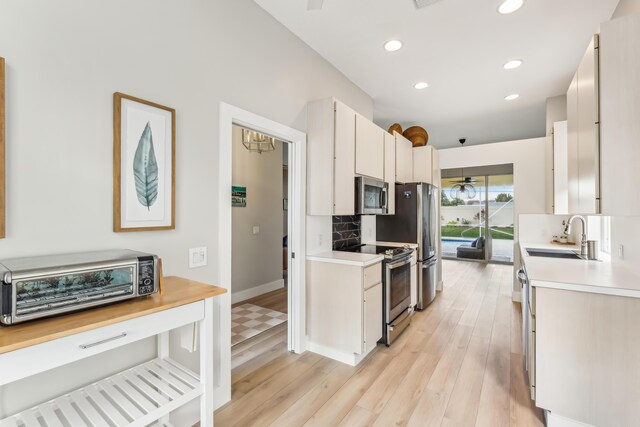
197, 257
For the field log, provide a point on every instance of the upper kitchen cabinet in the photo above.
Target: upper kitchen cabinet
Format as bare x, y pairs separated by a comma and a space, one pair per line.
422, 170
560, 169
369, 148
404, 159
620, 115
390, 170
583, 135
426, 165
331, 140
435, 171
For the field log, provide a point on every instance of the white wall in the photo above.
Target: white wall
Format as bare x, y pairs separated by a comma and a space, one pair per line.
65, 59
540, 228
626, 7
528, 159
257, 258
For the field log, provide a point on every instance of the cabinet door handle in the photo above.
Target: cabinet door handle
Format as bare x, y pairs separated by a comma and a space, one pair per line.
104, 341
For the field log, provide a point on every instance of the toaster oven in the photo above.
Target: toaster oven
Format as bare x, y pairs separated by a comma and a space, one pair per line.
36, 287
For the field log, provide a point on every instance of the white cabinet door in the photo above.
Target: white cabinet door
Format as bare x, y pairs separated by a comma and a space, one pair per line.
560, 169
390, 170
404, 159
588, 133
572, 146
583, 146
344, 159
369, 148
435, 167
372, 316
619, 114
422, 164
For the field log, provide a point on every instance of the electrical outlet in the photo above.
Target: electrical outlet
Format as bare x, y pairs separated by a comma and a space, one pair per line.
197, 257
319, 239
256, 229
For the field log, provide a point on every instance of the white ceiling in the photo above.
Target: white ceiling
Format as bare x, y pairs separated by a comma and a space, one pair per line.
459, 48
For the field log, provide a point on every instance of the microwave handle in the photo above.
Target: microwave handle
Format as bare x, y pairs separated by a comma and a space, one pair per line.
383, 196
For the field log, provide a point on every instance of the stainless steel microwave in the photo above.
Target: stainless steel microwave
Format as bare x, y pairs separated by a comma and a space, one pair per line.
371, 196
35, 287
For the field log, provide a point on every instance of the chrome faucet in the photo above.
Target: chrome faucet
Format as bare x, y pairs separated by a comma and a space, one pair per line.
583, 238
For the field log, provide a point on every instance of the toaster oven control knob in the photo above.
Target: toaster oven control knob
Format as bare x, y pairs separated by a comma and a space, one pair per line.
146, 281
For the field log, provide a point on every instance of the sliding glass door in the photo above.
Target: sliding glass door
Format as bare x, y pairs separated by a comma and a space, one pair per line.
463, 204
477, 217
501, 217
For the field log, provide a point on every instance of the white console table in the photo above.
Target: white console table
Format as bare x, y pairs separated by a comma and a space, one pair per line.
157, 387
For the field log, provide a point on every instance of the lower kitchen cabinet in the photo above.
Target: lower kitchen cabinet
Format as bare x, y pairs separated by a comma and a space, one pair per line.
372, 317
344, 309
586, 356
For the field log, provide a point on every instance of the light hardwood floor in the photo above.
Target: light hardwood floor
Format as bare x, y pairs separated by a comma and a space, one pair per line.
459, 364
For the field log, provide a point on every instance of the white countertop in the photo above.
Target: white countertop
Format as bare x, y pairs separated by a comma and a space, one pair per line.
350, 258
600, 277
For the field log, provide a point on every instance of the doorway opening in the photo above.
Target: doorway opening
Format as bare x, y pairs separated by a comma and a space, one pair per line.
260, 235
478, 214
296, 241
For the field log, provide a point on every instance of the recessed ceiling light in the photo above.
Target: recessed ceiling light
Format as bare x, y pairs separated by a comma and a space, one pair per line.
514, 63
393, 45
512, 97
421, 85
510, 6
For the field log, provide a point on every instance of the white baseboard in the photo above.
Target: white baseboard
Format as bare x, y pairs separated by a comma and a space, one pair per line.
348, 358
555, 420
256, 291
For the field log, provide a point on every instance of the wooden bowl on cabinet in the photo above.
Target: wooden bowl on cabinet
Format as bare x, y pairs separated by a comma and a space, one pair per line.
417, 135
395, 128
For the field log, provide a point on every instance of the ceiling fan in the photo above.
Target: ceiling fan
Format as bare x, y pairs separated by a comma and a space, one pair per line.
466, 180
317, 4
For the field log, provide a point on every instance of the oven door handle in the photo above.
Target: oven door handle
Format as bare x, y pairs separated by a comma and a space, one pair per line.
400, 263
522, 276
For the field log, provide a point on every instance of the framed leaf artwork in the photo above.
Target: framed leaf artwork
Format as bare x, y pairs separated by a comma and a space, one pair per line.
144, 165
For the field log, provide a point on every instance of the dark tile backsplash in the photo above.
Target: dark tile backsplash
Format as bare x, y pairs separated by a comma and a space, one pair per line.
346, 231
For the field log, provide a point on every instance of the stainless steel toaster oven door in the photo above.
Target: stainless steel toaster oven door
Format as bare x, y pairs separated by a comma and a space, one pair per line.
49, 293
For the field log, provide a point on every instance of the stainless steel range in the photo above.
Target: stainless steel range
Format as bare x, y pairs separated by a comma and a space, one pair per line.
396, 289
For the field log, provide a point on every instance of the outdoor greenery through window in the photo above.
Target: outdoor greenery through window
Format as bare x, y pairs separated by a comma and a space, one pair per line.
478, 220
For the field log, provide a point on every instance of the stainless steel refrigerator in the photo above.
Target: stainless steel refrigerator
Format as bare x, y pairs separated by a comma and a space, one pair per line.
415, 221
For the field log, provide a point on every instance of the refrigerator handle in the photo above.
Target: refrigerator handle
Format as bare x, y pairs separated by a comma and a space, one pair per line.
429, 264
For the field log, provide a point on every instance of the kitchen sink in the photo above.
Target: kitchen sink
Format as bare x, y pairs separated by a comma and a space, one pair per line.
554, 253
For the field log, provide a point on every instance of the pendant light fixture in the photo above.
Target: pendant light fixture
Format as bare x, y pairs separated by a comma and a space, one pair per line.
257, 142
463, 188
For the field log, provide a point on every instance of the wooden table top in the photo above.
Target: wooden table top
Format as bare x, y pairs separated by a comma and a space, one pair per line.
176, 292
